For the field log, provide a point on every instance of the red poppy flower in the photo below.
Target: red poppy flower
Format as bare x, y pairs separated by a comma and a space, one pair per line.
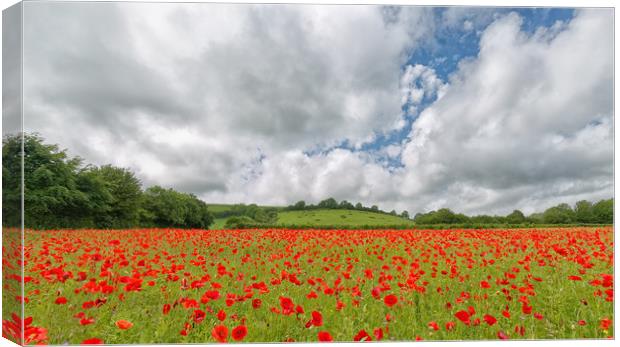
362, 335
166, 309
239, 333
317, 319
87, 321
287, 305
390, 300
324, 336
582, 322
60, 300
450, 326
501, 335
485, 284
221, 315
256, 303
489, 319
123, 324
93, 341
433, 325
605, 323
220, 333
378, 332
199, 316
463, 316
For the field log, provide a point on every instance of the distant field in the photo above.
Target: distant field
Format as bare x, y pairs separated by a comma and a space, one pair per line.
218, 223
219, 208
339, 217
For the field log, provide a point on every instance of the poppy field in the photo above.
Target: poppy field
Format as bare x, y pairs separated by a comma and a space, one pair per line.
280, 285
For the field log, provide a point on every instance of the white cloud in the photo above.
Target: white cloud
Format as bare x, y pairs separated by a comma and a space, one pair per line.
224, 100
528, 115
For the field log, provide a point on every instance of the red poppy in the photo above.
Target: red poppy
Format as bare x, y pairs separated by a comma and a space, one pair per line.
239, 333
463, 316
256, 303
93, 341
199, 316
490, 320
166, 309
61, 300
538, 316
485, 284
362, 335
581, 322
287, 305
87, 321
605, 323
324, 336
378, 332
220, 333
450, 326
390, 300
123, 324
221, 315
433, 325
317, 319
501, 335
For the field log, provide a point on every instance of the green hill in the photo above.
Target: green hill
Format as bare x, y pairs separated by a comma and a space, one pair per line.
337, 217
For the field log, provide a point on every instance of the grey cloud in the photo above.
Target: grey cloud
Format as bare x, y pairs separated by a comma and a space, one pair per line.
223, 100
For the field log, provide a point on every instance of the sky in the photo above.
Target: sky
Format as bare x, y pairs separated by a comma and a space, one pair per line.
480, 110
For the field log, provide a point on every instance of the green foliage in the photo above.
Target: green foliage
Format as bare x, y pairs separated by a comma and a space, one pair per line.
169, 208
584, 213
516, 217
560, 214
603, 211
60, 193
441, 216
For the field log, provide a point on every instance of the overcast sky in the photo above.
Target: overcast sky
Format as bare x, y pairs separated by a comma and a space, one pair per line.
478, 110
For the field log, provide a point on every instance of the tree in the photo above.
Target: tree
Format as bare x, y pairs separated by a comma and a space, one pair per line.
603, 211
345, 205
405, 214
299, 205
359, 206
52, 197
330, 203
584, 212
126, 197
516, 217
560, 214
169, 208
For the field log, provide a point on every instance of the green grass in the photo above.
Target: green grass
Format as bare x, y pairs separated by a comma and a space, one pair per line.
340, 217
219, 208
218, 223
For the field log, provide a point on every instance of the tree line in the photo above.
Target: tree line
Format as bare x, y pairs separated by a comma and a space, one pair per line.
61, 192
584, 212
332, 204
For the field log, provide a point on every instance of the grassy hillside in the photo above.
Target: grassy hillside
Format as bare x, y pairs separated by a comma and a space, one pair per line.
340, 217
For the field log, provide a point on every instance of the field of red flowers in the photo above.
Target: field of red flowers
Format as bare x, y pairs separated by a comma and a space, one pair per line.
199, 286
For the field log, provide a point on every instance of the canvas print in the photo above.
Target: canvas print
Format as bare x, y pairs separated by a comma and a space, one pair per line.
218, 172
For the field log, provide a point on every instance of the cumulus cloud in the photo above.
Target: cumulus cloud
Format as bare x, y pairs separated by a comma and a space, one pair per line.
231, 102
531, 116
188, 94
